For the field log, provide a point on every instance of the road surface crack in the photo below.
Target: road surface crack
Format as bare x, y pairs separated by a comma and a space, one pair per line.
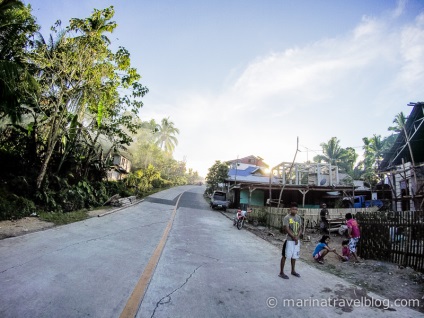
167, 299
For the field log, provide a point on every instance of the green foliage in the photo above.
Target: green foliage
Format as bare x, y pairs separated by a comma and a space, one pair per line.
59, 196
82, 76
374, 151
399, 121
79, 196
59, 218
142, 180
164, 134
17, 83
62, 113
217, 174
193, 177
117, 187
336, 155
14, 207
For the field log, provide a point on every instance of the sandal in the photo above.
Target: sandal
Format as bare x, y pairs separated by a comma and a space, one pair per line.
296, 274
283, 276
319, 261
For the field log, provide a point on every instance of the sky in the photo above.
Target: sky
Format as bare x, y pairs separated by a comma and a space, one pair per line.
250, 77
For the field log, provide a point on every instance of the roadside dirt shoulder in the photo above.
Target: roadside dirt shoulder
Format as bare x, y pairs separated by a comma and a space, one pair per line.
22, 226
386, 279
33, 224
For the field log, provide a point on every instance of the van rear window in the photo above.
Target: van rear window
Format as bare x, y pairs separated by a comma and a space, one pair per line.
219, 196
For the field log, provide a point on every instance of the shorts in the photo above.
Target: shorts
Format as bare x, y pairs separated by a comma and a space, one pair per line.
352, 244
291, 250
318, 256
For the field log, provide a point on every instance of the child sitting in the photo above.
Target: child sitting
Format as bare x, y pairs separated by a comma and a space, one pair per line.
345, 251
240, 214
322, 249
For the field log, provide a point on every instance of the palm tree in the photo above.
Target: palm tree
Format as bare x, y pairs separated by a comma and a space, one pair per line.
374, 147
97, 24
400, 121
165, 138
332, 152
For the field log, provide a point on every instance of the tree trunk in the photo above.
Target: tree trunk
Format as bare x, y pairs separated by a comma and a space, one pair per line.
50, 148
43, 170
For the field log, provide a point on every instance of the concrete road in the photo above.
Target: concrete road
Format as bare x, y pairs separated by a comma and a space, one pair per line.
156, 259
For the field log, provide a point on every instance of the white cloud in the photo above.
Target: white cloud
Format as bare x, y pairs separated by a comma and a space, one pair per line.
349, 87
400, 8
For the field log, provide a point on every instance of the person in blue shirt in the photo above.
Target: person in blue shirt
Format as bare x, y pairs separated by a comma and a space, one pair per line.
323, 249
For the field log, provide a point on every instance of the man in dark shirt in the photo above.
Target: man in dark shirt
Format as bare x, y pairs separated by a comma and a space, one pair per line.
324, 217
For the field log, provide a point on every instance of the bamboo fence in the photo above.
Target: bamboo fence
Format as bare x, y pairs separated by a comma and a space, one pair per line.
396, 237
273, 217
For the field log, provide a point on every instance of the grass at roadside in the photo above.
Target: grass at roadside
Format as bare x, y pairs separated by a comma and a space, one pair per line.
59, 218
63, 218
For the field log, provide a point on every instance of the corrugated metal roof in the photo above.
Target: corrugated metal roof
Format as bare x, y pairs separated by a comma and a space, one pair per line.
243, 172
253, 179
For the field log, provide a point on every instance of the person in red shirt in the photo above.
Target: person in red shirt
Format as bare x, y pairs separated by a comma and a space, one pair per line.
345, 251
354, 235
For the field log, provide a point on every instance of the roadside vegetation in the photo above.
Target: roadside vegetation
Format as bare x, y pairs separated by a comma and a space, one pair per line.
64, 218
63, 117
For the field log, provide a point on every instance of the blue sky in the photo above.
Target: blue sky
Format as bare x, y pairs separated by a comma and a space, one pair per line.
248, 77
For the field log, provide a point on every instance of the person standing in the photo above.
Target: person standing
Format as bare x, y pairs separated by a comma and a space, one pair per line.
354, 235
324, 217
292, 224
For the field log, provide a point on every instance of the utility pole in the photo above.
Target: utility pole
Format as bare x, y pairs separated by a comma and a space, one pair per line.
235, 178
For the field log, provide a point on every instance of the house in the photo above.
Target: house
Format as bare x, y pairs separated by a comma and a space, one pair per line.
249, 160
120, 167
309, 184
403, 164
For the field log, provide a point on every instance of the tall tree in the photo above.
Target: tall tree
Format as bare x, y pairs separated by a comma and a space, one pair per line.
374, 151
80, 78
217, 174
333, 153
165, 135
349, 160
17, 84
374, 147
400, 121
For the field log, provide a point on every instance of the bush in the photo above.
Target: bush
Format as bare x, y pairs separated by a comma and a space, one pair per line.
71, 200
15, 207
117, 187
